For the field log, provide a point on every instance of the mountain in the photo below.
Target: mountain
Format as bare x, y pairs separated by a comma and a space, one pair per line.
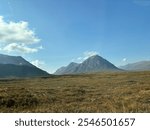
93, 64
69, 69
16, 66
15, 60
138, 66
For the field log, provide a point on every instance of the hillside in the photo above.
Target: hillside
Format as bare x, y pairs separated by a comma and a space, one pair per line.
15, 60
16, 66
10, 71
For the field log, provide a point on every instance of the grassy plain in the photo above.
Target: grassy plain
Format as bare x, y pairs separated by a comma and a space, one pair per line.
101, 92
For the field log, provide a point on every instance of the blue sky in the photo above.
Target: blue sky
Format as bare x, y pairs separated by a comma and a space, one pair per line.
52, 33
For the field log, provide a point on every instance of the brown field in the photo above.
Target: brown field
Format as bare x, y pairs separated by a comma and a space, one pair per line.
105, 92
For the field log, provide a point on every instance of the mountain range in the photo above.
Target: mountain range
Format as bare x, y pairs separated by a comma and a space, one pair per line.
93, 64
16, 66
138, 66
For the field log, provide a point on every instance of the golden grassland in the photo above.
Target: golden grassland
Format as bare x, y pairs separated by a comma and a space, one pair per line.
101, 92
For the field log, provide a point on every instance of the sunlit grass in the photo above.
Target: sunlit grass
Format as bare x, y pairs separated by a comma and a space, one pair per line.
103, 92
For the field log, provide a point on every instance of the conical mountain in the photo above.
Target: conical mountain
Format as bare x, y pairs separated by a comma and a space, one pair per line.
93, 64
96, 64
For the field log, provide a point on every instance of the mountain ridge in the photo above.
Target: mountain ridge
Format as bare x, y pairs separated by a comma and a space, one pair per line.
15, 60
94, 63
137, 66
16, 66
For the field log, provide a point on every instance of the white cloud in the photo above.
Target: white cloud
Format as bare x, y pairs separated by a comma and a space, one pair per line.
124, 59
38, 63
79, 58
88, 54
85, 56
40, 47
19, 48
16, 36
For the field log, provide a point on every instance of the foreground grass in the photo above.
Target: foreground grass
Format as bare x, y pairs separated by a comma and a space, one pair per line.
105, 92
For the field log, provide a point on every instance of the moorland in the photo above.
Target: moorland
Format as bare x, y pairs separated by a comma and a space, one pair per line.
98, 92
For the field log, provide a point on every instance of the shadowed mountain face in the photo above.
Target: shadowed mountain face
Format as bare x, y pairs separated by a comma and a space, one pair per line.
92, 64
16, 66
15, 60
138, 66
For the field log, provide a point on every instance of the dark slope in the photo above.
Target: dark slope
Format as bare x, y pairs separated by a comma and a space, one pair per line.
15, 60
16, 66
9, 70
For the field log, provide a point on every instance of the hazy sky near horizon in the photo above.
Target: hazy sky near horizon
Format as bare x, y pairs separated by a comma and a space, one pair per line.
53, 33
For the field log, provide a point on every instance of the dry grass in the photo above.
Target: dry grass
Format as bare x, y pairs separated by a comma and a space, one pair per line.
105, 92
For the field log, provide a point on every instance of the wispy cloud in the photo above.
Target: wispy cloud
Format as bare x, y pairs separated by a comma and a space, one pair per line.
19, 48
17, 37
85, 56
38, 63
124, 59
88, 54
142, 2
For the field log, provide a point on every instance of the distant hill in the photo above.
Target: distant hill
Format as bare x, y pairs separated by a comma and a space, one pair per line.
138, 66
16, 66
92, 64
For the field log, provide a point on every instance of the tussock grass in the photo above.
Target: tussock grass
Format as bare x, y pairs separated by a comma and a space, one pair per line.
100, 92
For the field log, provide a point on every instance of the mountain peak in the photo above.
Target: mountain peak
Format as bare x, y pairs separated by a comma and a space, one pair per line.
73, 63
94, 63
95, 57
